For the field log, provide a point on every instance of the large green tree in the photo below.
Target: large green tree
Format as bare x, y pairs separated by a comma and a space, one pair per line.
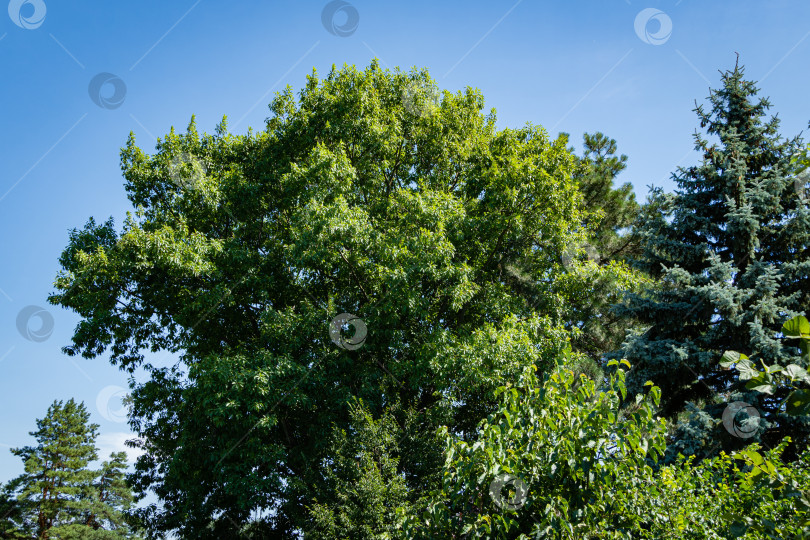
368, 195
730, 252
59, 496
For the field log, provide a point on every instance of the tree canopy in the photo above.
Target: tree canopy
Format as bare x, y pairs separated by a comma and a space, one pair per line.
387, 317
367, 196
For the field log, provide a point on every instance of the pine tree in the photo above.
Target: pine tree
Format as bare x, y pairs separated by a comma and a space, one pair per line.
58, 496
611, 210
729, 250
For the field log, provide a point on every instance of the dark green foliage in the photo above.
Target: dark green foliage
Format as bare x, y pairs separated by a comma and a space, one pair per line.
11, 512
729, 252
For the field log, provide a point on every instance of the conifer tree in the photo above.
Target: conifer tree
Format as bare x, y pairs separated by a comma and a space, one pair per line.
610, 209
729, 250
58, 495
596, 255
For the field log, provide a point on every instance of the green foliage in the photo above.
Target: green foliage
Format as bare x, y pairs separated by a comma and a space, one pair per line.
611, 211
468, 253
729, 254
775, 377
801, 172
744, 495
58, 496
582, 467
365, 489
595, 257
11, 513
568, 447
243, 248
595, 286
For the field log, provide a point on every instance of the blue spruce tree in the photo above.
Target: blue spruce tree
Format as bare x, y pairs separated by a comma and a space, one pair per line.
729, 251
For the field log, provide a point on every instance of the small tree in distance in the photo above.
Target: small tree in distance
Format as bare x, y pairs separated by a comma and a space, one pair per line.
58, 496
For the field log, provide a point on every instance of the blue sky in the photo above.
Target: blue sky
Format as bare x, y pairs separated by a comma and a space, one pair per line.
568, 66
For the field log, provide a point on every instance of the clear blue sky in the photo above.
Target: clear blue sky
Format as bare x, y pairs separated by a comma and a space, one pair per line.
569, 66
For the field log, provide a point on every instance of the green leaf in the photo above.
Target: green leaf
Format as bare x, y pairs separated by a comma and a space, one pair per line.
730, 358
746, 369
797, 327
796, 372
798, 403
764, 388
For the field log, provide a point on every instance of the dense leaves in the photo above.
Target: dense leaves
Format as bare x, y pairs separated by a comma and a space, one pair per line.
461, 392
364, 489
243, 248
580, 466
566, 447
